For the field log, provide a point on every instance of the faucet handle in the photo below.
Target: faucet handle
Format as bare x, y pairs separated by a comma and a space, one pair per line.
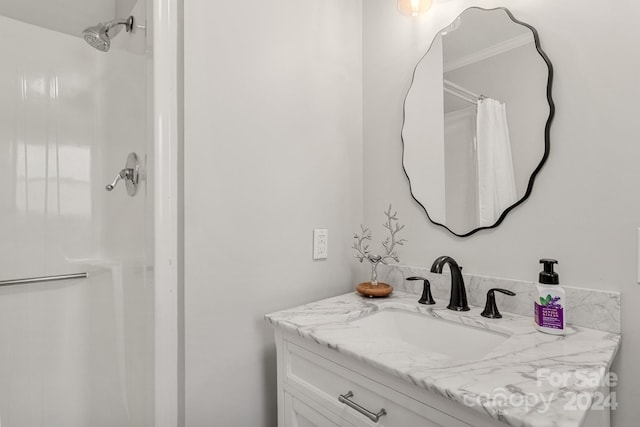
130, 175
426, 297
490, 308
123, 174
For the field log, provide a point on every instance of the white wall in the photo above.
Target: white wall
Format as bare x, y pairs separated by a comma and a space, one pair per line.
584, 208
273, 149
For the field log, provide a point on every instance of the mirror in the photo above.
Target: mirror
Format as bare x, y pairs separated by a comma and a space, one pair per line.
476, 120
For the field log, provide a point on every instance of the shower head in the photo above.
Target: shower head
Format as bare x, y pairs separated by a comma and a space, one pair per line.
98, 35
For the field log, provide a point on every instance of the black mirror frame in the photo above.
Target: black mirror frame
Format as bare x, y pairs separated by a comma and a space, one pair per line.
547, 128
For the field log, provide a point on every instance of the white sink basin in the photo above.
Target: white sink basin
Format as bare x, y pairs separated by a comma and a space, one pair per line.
454, 340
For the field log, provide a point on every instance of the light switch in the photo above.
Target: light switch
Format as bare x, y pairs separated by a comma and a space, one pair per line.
320, 243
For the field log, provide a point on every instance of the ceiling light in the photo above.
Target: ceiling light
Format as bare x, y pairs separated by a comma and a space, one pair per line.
414, 7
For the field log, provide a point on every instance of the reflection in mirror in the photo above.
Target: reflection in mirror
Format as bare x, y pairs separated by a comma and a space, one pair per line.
476, 120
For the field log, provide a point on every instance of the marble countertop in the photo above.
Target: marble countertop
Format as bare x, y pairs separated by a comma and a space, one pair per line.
532, 379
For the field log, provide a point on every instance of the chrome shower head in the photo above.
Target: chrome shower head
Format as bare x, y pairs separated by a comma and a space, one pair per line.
98, 35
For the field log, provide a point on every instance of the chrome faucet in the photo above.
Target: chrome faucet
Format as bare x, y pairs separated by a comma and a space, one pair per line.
458, 298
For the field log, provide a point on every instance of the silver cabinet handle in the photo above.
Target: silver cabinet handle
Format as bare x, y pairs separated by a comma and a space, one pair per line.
345, 398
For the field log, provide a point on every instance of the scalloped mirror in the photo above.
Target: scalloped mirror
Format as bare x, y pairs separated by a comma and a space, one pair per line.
476, 120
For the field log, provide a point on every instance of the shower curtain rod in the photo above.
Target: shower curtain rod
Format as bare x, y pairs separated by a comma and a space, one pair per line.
460, 96
43, 279
460, 92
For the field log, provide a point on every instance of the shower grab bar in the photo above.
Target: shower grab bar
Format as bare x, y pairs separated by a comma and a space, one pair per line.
43, 279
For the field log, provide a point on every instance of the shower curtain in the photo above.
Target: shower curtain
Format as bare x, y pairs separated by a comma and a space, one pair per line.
496, 180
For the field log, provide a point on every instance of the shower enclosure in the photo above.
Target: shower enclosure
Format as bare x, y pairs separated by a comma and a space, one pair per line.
76, 352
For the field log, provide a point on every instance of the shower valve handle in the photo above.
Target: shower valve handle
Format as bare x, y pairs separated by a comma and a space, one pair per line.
130, 174
124, 174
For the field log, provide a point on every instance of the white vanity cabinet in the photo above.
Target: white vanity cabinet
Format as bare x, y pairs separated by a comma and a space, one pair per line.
332, 372
311, 379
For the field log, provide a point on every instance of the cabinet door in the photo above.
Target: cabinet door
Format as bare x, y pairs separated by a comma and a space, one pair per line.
299, 413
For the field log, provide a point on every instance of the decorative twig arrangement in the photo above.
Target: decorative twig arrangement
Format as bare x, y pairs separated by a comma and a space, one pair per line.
389, 244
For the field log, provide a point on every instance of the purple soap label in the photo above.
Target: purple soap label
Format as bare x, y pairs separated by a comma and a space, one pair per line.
549, 316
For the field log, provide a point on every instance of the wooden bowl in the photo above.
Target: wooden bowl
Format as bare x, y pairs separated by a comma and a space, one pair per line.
379, 291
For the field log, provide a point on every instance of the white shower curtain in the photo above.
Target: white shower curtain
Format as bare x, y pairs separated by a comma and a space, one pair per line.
496, 180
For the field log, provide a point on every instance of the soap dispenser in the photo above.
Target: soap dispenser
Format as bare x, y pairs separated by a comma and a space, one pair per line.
549, 301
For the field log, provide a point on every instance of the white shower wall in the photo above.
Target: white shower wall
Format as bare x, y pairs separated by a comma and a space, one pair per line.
72, 353
48, 133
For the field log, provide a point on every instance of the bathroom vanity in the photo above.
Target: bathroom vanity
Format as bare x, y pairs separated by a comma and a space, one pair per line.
354, 361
